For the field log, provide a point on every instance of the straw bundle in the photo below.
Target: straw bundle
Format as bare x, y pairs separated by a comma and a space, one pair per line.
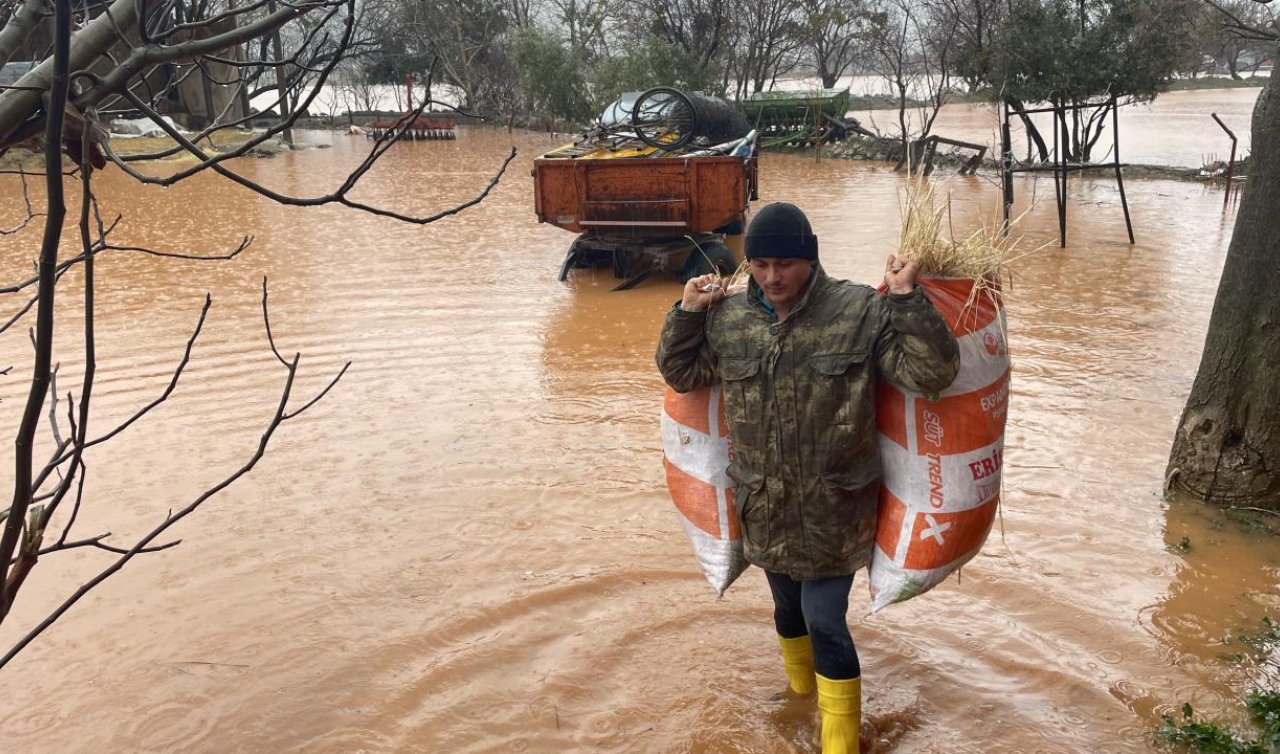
983, 254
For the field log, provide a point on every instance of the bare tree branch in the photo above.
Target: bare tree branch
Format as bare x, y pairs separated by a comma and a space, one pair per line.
207, 161
245, 243
164, 395
30, 212
81, 428
280, 416
266, 323
337, 197
1243, 28
126, 57
22, 489
97, 543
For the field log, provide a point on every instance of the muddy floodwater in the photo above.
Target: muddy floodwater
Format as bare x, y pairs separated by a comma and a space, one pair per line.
468, 546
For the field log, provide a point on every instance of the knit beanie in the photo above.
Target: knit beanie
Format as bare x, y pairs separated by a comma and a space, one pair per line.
781, 230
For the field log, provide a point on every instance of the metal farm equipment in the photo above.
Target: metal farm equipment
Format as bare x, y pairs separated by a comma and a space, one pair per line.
801, 117
647, 188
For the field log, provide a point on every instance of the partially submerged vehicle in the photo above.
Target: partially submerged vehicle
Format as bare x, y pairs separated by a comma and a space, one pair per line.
655, 185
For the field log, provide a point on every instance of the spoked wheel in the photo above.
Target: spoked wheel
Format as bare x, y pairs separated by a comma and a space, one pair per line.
664, 118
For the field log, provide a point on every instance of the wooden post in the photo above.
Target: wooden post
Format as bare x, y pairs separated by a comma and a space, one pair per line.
1124, 202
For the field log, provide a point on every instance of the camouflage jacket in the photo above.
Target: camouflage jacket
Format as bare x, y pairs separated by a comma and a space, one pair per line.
800, 406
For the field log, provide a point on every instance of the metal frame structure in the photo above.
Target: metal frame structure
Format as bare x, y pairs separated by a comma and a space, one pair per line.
1060, 167
1231, 163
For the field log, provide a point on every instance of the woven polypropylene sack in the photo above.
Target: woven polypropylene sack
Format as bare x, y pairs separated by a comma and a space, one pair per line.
695, 448
942, 454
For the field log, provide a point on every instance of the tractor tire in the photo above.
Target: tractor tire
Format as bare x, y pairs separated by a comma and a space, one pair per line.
714, 257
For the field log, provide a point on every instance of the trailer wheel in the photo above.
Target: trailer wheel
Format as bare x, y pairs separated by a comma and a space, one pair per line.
732, 228
714, 257
664, 118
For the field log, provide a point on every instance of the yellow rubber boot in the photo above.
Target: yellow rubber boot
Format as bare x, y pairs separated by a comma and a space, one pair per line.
797, 658
841, 706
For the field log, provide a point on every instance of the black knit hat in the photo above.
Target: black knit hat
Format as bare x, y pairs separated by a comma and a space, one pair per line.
781, 230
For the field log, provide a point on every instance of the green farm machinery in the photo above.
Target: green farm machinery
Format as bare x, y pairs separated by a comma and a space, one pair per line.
801, 117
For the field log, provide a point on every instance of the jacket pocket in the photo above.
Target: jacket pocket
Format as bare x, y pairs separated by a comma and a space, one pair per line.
853, 479
737, 368
743, 397
836, 364
853, 497
835, 384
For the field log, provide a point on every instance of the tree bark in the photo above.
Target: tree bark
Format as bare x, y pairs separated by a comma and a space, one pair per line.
20, 26
20, 102
277, 49
12, 578
1227, 447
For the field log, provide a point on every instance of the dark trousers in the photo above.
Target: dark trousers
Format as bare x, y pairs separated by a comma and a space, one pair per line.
818, 609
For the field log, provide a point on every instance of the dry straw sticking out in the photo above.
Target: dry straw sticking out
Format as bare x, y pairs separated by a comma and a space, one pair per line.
982, 254
739, 280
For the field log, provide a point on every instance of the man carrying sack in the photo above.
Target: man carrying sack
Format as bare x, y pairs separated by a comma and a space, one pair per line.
798, 356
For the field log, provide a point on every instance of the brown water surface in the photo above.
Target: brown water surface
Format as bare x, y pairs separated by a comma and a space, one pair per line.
1175, 129
467, 546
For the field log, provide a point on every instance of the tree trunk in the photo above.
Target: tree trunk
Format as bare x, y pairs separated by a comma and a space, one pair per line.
22, 99
281, 76
1033, 133
829, 78
20, 27
1227, 447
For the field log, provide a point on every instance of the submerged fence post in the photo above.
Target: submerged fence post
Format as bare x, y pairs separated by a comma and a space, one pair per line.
1231, 163
1006, 168
1115, 135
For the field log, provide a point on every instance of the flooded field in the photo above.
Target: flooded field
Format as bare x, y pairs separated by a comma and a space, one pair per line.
1176, 129
468, 547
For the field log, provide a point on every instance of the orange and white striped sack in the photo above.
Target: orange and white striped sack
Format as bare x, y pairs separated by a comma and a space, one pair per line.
942, 454
696, 453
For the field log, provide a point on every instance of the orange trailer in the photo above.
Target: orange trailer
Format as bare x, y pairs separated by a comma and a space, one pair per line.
644, 214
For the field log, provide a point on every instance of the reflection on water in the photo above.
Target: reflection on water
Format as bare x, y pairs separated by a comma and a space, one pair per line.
467, 547
1175, 129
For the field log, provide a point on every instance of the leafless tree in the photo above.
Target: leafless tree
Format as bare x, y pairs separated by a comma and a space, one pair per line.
522, 12
353, 88
769, 42
116, 61
467, 36
699, 28
1233, 29
832, 31
975, 23
585, 23
911, 51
